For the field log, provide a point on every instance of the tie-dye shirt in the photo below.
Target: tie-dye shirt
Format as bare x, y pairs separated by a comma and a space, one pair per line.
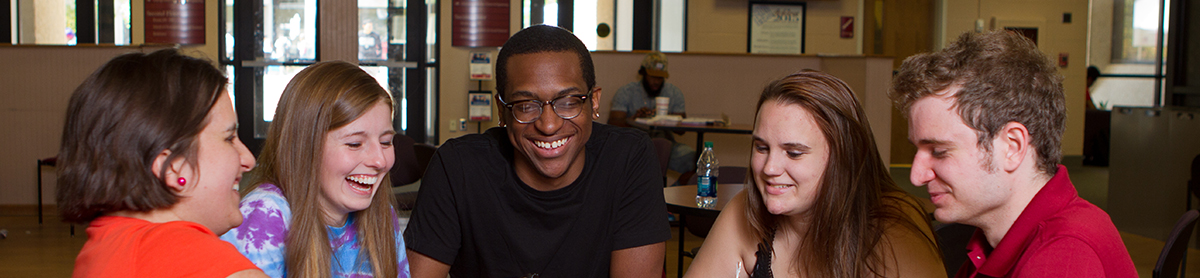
267, 217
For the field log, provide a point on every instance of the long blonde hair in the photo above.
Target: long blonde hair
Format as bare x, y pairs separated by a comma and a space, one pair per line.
323, 97
852, 209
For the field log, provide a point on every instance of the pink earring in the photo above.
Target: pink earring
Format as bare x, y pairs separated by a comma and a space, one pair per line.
182, 181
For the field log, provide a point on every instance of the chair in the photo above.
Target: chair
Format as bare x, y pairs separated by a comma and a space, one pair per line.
662, 148
52, 161
1193, 186
699, 225
405, 169
409, 168
1173, 253
953, 238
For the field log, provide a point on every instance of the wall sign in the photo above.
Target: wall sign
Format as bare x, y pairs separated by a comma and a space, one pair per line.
174, 21
481, 66
479, 23
479, 106
847, 28
776, 28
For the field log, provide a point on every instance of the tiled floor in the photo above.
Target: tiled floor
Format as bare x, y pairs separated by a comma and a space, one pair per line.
47, 250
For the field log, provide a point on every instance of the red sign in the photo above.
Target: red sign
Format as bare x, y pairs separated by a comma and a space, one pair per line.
175, 21
479, 23
847, 27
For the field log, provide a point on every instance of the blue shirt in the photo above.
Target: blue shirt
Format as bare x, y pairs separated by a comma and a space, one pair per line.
262, 235
633, 96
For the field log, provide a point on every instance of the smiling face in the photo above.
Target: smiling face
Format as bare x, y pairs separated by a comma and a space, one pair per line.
950, 163
789, 158
222, 158
355, 159
550, 150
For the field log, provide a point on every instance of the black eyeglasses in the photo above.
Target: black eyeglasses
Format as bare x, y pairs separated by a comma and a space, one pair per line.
567, 107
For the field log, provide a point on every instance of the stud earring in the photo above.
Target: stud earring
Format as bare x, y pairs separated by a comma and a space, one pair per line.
182, 181
597, 115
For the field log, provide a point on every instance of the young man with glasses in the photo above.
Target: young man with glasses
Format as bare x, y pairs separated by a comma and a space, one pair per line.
549, 193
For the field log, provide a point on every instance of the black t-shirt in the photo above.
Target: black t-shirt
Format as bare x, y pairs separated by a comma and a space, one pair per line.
476, 215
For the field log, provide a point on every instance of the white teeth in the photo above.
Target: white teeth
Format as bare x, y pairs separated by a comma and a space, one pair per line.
780, 186
367, 180
551, 145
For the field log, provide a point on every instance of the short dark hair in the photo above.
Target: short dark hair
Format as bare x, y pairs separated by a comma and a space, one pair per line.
1093, 72
1003, 78
543, 38
118, 121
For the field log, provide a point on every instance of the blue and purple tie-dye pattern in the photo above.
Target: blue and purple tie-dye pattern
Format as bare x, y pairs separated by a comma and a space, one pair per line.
267, 218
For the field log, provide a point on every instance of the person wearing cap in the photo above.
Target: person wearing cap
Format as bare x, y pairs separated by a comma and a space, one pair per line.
636, 100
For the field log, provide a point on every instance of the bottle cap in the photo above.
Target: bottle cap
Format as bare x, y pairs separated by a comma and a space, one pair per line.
708, 144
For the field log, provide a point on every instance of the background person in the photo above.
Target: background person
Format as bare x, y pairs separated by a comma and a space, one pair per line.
315, 206
549, 193
1092, 74
636, 100
820, 202
987, 115
150, 159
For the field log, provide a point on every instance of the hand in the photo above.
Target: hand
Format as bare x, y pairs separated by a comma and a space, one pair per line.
644, 113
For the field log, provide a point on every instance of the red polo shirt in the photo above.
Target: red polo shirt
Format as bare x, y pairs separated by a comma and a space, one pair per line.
1057, 235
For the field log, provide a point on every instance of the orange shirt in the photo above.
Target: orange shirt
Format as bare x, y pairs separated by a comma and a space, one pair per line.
130, 247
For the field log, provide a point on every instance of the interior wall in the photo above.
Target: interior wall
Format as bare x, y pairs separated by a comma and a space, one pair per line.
721, 26
454, 76
35, 85
1100, 36
1054, 38
733, 89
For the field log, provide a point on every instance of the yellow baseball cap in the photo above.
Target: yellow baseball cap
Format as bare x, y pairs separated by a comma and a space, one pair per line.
655, 64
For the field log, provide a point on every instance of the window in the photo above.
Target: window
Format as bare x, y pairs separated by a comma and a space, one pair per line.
63, 22
610, 24
1138, 31
403, 59
1135, 75
282, 38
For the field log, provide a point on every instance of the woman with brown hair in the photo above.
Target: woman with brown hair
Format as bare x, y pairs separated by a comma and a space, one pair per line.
820, 201
315, 209
150, 160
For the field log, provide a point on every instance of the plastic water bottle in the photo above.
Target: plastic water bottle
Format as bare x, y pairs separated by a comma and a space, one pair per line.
706, 177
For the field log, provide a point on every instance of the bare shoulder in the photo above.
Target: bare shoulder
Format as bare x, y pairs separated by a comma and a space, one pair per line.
248, 273
729, 244
909, 250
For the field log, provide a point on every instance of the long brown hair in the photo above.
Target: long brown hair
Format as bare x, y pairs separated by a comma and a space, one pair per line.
121, 117
852, 210
323, 97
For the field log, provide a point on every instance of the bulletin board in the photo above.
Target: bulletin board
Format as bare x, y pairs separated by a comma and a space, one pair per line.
776, 28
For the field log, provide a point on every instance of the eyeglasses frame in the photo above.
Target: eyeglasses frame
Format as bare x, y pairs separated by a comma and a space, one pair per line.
542, 107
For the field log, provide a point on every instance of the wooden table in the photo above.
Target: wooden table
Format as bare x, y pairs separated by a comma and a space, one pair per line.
699, 130
682, 200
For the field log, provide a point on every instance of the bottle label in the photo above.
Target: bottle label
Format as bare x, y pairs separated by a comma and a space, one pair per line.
706, 187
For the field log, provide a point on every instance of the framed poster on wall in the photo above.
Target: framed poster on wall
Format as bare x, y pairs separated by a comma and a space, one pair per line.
776, 28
